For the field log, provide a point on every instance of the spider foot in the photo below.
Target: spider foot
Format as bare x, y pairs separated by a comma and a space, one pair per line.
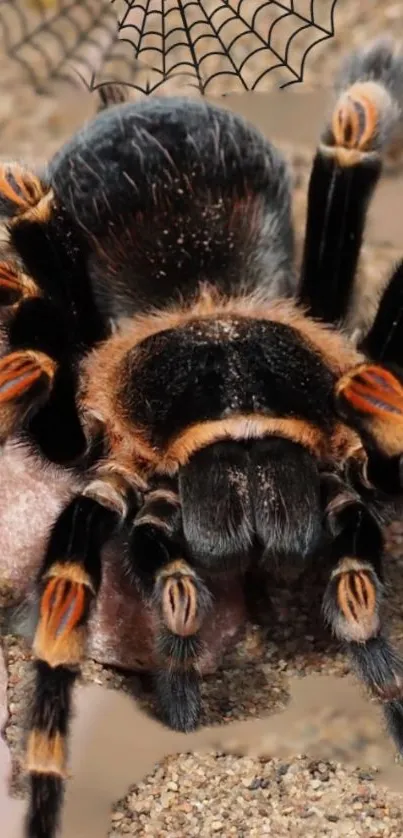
182, 598
64, 609
182, 601
368, 111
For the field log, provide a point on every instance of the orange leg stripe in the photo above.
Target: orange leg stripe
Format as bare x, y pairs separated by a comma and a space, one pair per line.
373, 390
30, 188
349, 124
371, 119
14, 284
77, 599
63, 606
366, 593
349, 130
375, 376
7, 190
379, 377
9, 276
54, 601
11, 387
19, 371
180, 606
372, 401
356, 596
47, 596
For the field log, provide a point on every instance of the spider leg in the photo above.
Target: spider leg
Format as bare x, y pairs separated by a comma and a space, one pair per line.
26, 379
49, 317
180, 599
370, 399
346, 169
353, 600
69, 583
383, 343
370, 396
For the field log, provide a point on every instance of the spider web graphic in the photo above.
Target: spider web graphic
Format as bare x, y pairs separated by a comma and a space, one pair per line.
211, 46
224, 46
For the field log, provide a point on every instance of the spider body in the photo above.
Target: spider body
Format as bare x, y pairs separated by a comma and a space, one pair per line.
167, 196
216, 388
160, 344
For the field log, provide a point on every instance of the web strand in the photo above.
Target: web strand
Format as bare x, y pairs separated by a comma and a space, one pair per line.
215, 47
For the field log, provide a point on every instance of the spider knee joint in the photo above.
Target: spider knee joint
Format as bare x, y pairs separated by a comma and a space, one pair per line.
113, 489
15, 285
357, 117
26, 379
182, 598
64, 607
24, 193
46, 754
352, 599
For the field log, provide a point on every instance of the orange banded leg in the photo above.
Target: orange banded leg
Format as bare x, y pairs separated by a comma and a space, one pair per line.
180, 601
371, 398
15, 285
358, 115
346, 170
26, 379
69, 582
22, 193
352, 605
41, 318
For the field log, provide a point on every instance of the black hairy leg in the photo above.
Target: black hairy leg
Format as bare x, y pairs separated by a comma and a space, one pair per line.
383, 343
49, 318
370, 396
353, 600
180, 601
68, 584
236, 501
345, 173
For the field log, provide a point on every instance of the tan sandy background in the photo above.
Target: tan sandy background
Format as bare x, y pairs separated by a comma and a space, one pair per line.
315, 771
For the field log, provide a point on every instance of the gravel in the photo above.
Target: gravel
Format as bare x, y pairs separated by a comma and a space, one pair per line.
201, 795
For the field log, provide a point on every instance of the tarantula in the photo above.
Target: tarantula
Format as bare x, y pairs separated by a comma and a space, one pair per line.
160, 344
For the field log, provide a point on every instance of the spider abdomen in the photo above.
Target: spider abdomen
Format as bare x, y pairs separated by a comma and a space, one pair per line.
169, 192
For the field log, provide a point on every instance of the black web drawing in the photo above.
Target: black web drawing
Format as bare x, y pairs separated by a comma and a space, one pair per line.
212, 46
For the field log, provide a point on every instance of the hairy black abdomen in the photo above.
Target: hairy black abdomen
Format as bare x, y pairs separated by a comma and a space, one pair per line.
174, 191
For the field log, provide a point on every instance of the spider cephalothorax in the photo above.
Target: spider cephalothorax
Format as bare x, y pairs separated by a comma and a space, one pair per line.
160, 344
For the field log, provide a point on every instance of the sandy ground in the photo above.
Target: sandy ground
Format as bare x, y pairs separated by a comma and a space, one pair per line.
199, 793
